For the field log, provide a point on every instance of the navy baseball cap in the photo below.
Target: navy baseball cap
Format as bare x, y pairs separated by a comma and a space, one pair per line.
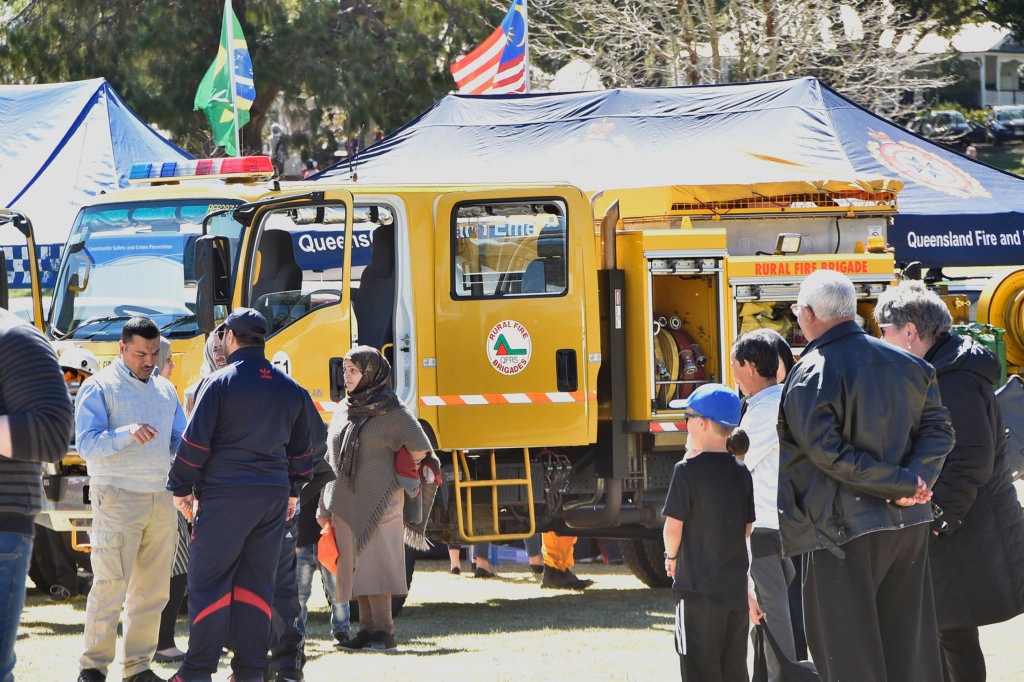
716, 402
247, 322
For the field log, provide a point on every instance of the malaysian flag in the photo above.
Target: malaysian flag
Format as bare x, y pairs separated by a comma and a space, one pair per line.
499, 64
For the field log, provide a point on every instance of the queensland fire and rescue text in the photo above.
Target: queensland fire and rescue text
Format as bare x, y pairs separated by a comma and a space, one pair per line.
972, 238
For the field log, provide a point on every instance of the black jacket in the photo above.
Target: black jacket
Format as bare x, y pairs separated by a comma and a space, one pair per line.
859, 422
978, 557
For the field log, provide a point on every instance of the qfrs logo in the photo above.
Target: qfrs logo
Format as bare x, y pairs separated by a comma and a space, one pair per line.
509, 347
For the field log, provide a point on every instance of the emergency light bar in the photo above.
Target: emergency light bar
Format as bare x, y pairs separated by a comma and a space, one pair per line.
229, 167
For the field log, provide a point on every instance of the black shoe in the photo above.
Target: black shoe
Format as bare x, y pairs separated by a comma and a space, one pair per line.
91, 675
456, 570
381, 641
144, 676
537, 568
289, 676
341, 640
358, 642
555, 579
482, 573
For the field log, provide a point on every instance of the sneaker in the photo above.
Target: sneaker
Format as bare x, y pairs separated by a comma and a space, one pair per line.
358, 642
91, 675
381, 641
144, 676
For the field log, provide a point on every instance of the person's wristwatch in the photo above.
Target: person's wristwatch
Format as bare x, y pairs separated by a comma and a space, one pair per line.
670, 558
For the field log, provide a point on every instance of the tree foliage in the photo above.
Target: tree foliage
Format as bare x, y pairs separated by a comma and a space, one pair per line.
952, 14
380, 62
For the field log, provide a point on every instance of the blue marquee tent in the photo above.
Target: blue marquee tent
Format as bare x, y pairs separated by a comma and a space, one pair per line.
953, 210
63, 144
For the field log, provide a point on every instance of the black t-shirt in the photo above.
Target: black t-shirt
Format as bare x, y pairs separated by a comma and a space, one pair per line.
713, 495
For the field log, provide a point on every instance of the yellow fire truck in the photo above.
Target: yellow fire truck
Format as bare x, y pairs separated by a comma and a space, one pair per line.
543, 337
544, 351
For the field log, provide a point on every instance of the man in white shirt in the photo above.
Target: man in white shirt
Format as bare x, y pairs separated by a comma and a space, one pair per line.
755, 362
128, 422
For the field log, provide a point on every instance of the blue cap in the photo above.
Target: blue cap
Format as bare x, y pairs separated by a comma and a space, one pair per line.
716, 402
247, 322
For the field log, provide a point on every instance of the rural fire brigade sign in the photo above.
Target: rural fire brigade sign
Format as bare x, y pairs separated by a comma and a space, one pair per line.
509, 347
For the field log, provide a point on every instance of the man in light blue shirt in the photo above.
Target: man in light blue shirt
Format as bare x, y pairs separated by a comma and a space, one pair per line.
128, 423
755, 364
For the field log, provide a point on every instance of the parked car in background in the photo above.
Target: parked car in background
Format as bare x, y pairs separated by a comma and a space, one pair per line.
947, 126
1005, 122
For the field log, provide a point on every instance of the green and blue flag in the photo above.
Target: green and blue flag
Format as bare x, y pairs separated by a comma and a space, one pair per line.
227, 92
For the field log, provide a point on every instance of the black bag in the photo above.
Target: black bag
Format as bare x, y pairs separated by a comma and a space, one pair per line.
791, 671
1010, 397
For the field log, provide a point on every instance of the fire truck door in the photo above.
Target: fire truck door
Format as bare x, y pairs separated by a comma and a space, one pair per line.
511, 339
296, 271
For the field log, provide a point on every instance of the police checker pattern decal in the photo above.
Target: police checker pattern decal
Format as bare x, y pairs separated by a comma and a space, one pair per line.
509, 347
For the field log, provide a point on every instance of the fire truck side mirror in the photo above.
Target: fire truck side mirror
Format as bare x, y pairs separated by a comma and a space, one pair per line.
337, 379
213, 283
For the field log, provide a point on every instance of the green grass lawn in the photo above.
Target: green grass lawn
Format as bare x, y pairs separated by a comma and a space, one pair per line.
465, 628
1009, 157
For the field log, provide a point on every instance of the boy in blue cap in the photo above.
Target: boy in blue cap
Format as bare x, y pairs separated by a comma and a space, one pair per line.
711, 495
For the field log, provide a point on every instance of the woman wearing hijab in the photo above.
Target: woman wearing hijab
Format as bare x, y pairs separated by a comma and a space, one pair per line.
213, 359
365, 503
977, 545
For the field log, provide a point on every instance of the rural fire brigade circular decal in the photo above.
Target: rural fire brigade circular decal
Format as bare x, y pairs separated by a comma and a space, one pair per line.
509, 347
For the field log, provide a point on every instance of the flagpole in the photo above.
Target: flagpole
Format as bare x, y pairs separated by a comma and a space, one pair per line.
526, 53
229, 20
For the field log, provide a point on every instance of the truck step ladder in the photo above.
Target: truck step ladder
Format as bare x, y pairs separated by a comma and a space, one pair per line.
464, 486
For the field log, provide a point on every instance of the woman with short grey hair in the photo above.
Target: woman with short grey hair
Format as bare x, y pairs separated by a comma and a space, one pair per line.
911, 303
977, 543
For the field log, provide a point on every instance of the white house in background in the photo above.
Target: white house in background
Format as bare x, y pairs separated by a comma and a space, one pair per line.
992, 59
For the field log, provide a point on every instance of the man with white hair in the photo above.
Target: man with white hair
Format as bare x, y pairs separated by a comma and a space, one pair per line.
862, 436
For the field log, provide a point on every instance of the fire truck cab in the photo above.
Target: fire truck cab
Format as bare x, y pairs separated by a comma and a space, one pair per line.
131, 253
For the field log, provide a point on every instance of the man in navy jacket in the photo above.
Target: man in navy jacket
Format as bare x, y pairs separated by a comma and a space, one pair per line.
244, 457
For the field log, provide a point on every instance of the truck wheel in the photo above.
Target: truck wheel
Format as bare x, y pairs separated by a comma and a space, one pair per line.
396, 602
646, 561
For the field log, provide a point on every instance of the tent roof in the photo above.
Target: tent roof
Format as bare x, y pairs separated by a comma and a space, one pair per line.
734, 137
64, 143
